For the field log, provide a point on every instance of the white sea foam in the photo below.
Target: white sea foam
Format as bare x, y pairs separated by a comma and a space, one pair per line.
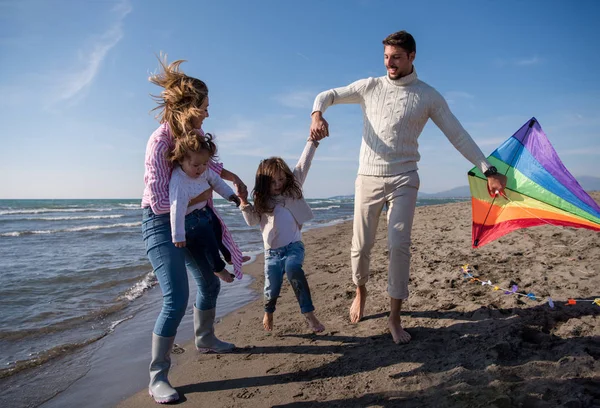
326, 208
75, 229
85, 217
52, 210
130, 206
140, 287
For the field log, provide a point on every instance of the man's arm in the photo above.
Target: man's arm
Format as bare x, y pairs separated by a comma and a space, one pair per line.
464, 143
319, 128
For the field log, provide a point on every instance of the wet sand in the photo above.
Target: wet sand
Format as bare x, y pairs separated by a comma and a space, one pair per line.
472, 346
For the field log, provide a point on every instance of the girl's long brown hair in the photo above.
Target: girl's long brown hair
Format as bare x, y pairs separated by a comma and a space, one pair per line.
263, 201
181, 98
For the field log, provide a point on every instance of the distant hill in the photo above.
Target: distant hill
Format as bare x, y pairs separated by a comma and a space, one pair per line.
456, 192
588, 183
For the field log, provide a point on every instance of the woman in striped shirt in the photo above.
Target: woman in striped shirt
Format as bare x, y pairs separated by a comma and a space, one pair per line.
184, 106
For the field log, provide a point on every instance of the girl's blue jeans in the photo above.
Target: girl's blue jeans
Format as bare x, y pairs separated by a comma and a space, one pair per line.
169, 264
286, 260
201, 238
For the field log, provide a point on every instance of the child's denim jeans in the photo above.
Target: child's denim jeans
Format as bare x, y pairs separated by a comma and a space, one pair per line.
286, 260
200, 237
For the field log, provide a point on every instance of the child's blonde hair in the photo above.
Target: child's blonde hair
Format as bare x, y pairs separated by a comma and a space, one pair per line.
193, 142
181, 98
267, 169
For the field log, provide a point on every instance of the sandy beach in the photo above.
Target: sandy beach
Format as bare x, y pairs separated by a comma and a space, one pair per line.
472, 346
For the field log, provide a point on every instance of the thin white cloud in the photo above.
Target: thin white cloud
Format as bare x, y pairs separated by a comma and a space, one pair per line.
73, 83
529, 61
453, 97
303, 56
241, 130
522, 62
297, 99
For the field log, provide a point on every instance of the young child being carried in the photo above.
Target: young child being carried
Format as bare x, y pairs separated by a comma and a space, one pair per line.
193, 225
280, 210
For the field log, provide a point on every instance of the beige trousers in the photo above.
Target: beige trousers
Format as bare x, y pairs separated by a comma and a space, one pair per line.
399, 194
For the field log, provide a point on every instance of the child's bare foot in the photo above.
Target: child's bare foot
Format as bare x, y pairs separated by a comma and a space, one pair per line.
245, 258
314, 323
358, 304
399, 335
268, 321
225, 276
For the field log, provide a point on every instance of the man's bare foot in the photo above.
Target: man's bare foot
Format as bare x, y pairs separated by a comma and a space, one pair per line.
314, 323
358, 304
245, 258
268, 321
225, 276
399, 335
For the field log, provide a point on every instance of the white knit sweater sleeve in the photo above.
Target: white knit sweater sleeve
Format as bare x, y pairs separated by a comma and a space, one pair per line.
178, 198
218, 184
346, 94
445, 120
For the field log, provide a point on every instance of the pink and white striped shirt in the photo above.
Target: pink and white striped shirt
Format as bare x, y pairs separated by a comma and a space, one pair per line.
156, 190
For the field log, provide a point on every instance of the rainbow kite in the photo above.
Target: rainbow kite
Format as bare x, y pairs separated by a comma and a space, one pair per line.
540, 190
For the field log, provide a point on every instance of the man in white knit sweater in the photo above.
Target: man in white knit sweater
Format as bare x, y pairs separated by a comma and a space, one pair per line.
395, 108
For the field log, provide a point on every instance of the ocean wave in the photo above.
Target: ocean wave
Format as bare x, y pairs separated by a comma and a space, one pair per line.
98, 315
74, 229
130, 206
140, 287
40, 358
327, 223
51, 210
326, 208
322, 201
82, 217
45, 356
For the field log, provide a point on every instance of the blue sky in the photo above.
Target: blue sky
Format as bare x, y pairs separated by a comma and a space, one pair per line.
75, 106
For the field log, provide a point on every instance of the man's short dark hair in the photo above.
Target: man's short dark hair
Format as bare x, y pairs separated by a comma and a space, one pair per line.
401, 39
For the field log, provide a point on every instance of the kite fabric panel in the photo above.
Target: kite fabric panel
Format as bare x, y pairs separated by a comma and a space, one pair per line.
539, 188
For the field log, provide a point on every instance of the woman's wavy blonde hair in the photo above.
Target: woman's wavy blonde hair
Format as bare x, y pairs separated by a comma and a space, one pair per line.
263, 200
181, 98
192, 142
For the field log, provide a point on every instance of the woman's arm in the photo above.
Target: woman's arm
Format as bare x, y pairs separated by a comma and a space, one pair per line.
237, 182
157, 175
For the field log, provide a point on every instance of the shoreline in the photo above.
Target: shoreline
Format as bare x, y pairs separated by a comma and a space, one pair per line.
87, 363
472, 346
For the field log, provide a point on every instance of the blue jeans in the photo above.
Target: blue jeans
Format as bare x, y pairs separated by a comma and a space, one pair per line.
169, 264
200, 236
286, 260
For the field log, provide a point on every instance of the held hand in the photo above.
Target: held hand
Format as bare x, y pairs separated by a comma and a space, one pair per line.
319, 128
243, 198
203, 196
496, 183
234, 199
240, 186
180, 244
